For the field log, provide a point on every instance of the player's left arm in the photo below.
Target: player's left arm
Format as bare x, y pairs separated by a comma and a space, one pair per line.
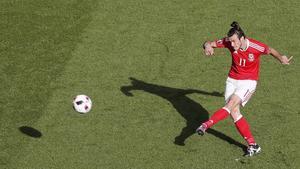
282, 58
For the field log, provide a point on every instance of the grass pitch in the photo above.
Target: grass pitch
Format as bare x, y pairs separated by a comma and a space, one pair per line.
142, 64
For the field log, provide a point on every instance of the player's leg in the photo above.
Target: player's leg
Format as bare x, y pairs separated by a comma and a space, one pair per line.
241, 124
215, 118
220, 114
244, 129
224, 112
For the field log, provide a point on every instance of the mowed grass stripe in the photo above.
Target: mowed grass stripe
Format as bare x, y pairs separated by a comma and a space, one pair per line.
38, 38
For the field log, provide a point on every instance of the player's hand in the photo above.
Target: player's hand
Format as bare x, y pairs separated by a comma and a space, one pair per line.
208, 50
285, 60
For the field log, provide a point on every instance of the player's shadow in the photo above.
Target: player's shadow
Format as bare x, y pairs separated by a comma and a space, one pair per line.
191, 111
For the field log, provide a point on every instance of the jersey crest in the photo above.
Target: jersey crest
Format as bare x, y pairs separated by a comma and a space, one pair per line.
251, 57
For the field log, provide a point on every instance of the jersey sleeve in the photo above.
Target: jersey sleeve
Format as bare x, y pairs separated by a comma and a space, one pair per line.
223, 43
262, 47
266, 50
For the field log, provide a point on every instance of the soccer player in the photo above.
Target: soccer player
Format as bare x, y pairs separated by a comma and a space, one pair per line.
241, 81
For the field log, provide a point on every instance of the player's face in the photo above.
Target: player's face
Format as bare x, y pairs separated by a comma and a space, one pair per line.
236, 43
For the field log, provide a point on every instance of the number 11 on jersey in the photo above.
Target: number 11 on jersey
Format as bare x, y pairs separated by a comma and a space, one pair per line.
242, 62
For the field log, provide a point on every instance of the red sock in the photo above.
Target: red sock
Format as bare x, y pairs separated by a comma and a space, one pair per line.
217, 116
244, 129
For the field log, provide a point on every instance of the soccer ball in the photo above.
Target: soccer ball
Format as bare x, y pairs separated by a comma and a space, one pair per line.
82, 103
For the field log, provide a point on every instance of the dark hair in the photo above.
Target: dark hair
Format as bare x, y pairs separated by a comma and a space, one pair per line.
236, 29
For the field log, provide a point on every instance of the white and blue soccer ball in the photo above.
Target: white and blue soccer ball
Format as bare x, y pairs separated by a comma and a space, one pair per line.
82, 103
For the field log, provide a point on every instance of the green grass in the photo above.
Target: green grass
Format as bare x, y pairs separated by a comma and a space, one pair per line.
54, 50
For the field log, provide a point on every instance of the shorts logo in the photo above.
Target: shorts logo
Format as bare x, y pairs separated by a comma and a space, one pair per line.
251, 57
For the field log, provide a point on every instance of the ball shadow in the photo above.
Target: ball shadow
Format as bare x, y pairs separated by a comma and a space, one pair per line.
29, 131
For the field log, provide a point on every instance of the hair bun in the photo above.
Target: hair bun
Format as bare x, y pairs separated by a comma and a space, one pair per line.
235, 25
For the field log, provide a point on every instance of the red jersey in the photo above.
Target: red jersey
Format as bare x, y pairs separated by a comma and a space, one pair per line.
245, 63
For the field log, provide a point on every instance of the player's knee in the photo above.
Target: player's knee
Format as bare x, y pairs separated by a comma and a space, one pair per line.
236, 116
233, 103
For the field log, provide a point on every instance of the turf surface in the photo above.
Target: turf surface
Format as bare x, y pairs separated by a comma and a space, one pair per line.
141, 63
